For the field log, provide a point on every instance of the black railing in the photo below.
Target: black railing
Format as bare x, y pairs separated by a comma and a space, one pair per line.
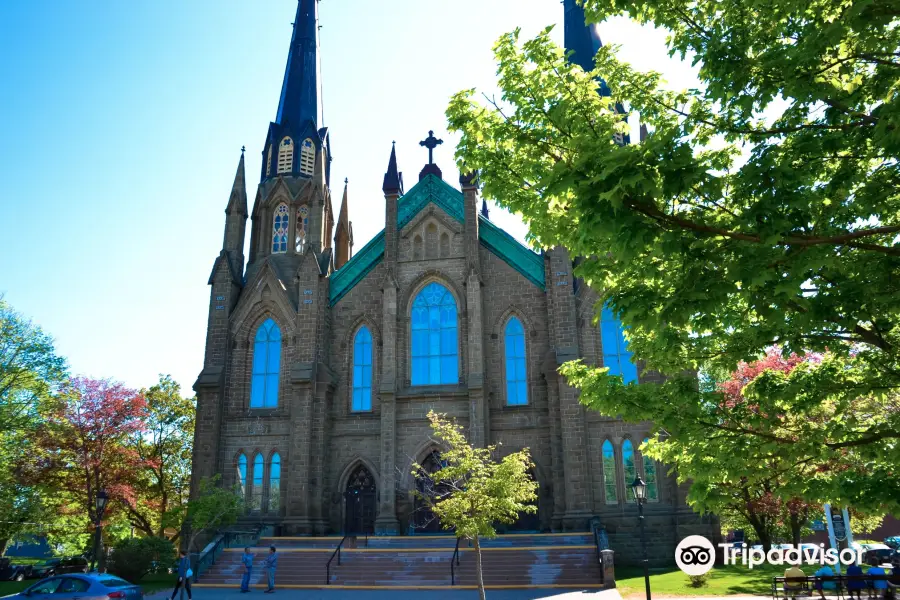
337, 552
454, 562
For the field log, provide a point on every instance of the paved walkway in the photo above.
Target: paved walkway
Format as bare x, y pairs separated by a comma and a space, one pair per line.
555, 594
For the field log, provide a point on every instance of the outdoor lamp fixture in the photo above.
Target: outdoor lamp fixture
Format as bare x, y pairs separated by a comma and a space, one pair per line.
639, 489
102, 501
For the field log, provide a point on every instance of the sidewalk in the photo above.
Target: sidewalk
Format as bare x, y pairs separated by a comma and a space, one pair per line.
287, 594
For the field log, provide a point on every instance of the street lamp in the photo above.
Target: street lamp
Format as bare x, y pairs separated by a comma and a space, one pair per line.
102, 500
639, 488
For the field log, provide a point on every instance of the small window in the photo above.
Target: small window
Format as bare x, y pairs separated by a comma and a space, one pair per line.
609, 473
274, 483
616, 355
280, 229
650, 477
257, 492
434, 339
417, 247
516, 371
445, 245
45, 587
72, 585
431, 241
286, 156
242, 474
307, 157
362, 370
302, 228
266, 366
628, 468
269, 160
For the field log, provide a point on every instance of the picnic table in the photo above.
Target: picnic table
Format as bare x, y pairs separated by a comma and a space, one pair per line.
793, 587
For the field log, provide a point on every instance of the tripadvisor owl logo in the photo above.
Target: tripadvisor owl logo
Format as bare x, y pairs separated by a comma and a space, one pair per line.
695, 555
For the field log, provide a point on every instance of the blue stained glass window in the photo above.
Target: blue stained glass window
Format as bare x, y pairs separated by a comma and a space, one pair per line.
280, 229
242, 474
274, 482
650, 477
362, 370
609, 473
266, 366
628, 468
516, 371
616, 355
257, 490
434, 337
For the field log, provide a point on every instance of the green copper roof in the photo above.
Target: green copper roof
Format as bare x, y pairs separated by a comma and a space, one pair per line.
450, 200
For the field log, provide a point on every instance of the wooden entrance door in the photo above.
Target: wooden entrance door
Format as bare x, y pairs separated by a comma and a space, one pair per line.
359, 503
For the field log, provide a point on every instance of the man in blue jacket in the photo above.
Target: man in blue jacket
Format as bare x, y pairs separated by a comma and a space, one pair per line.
271, 564
184, 576
247, 561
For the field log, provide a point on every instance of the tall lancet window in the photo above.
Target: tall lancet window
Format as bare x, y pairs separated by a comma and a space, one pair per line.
609, 473
616, 355
266, 366
285, 156
256, 493
362, 370
307, 157
280, 229
516, 379
629, 471
302, 228
242, 475
269, 160
434, 347
274, 483
650, 477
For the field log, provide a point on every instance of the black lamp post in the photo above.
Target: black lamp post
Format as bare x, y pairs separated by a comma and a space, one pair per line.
102, 500
639, 488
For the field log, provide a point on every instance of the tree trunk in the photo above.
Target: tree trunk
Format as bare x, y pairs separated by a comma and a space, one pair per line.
3, 544
796, 526
478, 571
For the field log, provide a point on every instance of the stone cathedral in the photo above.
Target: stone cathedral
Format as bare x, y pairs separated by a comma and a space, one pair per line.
323, 360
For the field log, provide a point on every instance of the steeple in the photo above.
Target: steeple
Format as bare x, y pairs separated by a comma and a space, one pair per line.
393, 179
299, 100
343, 235
582, 39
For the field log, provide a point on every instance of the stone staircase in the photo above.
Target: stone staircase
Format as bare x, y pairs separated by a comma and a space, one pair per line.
419, 562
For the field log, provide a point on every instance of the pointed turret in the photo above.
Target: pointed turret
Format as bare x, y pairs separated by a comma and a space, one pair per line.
238, 199
236, 220
484, 209
393, 179
343, 236
582, 39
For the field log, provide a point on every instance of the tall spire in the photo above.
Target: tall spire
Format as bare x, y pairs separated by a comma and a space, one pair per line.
393, 179
582, 39
237, 202
343, 235
300, 90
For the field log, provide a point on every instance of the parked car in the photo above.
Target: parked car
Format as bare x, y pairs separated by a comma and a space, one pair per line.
83, 587
876, 554
59, 566
11, 572
893, 542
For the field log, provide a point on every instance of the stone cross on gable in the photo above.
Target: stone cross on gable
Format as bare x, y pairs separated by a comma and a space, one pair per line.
431, 143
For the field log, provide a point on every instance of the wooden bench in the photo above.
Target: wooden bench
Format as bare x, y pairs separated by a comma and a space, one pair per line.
792, 587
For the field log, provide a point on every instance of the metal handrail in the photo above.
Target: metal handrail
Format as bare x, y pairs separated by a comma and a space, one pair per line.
337, 552
454, 563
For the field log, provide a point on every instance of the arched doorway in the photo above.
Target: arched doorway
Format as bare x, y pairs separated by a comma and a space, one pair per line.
359, 502
424, 519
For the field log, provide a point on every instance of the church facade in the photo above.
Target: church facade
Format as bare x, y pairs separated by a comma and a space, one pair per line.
322, 363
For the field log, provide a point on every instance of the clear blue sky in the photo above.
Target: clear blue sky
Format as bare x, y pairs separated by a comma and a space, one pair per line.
121, 125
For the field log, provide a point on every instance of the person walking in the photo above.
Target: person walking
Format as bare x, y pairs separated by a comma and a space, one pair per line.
247, 561
271, 564
184, 576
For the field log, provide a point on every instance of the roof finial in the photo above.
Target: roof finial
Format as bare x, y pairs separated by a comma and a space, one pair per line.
346, 180
243, 149
431, 143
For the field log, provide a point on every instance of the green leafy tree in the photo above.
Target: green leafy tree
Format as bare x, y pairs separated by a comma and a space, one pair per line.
479, 489
164, 446
132, 558
761, 209
30, 370
214, 508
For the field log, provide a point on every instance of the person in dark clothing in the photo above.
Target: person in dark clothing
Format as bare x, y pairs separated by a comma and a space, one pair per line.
184, 576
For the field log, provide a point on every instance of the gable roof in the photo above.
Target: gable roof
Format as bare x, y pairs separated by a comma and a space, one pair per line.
433, 189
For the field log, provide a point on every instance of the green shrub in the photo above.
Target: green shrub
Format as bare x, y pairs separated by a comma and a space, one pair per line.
133, 558
699, 581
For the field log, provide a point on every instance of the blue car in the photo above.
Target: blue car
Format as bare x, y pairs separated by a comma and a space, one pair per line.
92, 586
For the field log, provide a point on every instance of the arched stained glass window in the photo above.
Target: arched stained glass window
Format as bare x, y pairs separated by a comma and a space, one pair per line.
362, 370
307, 157
242, 474
274, 483
434, 342
650, 478
266, 366
628, 468
516, 371
285, 156
280, 229
257, 489
609, 473
302, 228
616, 355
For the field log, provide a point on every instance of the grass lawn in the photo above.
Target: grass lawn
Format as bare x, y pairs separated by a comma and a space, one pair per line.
723, 581
150, 583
